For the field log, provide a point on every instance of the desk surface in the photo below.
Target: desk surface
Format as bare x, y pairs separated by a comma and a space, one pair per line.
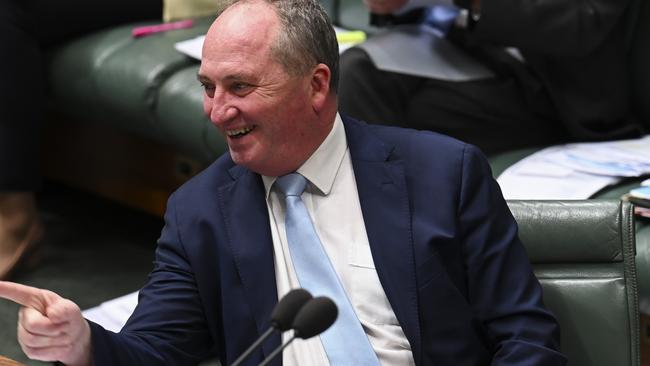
8, 362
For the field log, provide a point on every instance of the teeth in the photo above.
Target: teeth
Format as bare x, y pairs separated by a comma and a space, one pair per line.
239, 132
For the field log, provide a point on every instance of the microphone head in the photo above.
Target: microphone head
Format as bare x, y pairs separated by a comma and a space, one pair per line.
315, 317
285, 311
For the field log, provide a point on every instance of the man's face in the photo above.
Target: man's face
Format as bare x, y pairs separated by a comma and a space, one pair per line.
265, 115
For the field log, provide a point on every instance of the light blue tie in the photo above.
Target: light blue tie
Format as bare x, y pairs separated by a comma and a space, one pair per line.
345, 342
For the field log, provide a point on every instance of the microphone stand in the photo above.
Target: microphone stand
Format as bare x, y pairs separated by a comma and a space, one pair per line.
277, 351
254, 346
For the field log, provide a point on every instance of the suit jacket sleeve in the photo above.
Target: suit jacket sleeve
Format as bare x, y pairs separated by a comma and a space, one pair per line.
168, 326
502, 289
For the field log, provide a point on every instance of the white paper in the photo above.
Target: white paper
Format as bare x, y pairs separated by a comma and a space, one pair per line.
575, 171
537, 177
623, 158
113, 314
420, 50
194, 47
574, 187
191, 47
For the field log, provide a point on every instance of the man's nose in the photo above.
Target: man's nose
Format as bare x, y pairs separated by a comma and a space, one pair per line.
221, 110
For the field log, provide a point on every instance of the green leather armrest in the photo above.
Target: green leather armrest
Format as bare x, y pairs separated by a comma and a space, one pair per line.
583, 255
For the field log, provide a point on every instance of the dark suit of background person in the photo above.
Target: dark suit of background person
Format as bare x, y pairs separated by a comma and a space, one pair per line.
572, 86
442, 238
28, 29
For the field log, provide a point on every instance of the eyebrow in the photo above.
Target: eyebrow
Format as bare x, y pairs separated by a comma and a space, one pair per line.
205, 79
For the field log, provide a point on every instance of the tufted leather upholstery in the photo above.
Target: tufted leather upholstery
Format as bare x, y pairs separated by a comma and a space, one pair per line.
139, 85
583, 254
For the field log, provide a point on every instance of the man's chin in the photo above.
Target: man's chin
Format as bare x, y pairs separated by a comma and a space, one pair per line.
246, 160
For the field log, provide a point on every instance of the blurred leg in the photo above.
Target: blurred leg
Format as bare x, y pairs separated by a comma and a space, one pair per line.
62, 20
491, 114
20, 229
27, 28
372, 95
22, 95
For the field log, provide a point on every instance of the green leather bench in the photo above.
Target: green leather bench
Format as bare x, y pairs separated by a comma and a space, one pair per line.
139, 85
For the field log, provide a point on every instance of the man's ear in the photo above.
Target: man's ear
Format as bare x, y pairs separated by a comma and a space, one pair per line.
320, 86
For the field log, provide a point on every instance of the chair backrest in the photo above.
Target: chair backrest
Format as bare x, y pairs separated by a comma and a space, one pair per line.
583, 255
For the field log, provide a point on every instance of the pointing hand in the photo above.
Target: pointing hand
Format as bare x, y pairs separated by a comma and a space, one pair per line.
50, 328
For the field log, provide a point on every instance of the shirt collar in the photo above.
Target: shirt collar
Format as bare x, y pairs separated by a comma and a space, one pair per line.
321, 167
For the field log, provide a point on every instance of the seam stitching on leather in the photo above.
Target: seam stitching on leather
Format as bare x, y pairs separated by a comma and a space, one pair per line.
628, 216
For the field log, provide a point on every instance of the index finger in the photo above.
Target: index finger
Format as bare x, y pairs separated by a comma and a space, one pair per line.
24, 295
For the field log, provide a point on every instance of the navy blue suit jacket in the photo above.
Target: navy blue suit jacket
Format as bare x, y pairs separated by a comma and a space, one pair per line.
442, 238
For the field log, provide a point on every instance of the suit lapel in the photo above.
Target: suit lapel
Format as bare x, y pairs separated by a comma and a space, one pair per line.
387, 215
243, 205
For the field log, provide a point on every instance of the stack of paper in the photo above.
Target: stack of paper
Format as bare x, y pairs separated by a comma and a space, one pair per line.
641, 198
575, 171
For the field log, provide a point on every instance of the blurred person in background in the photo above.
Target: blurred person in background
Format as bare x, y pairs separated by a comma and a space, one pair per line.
28, 30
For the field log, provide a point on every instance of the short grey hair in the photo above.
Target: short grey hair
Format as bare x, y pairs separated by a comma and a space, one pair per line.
306, 37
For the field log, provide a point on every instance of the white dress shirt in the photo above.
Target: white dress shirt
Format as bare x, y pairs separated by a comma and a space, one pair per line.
332, 200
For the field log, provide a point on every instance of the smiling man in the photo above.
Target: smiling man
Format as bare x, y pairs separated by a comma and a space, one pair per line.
405, 230
274, 107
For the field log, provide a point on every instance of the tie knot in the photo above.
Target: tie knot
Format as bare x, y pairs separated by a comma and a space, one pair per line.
292, 184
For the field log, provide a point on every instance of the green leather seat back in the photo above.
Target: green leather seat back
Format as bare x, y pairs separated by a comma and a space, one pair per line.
583, 255
134, 84
180, 115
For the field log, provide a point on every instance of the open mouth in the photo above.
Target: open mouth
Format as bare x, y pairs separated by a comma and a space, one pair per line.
240, 132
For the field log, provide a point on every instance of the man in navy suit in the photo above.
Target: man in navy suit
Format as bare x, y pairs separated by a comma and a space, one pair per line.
415, 227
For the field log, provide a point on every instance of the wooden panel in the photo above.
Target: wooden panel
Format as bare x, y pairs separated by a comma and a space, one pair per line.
8, 362
134, 171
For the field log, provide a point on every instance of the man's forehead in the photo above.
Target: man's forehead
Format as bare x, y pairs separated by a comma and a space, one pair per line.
248, 22
240, 39
257, 14
248, 26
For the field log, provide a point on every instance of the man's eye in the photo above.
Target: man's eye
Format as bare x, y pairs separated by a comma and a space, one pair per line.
209, 89
207, 86
239, 87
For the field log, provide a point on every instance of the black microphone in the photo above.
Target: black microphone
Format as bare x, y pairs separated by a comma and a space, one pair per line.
287, 309
282, 318
314, 318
